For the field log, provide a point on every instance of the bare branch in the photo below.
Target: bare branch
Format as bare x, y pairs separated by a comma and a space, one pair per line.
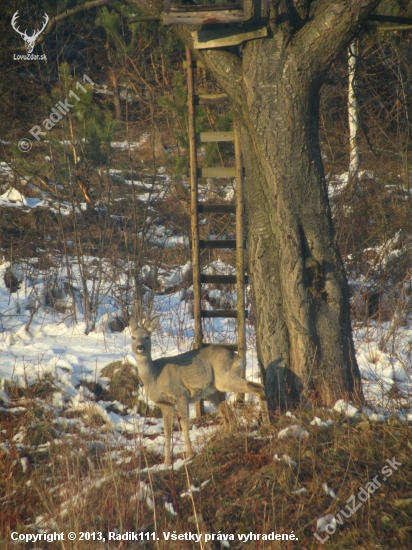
82, 7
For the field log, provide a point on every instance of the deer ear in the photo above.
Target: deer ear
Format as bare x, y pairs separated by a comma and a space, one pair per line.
134, 325
151, 326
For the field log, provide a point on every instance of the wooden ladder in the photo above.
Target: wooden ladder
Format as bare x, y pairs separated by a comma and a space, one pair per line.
197, 208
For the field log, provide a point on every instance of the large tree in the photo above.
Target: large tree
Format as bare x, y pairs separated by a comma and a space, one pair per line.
304, 339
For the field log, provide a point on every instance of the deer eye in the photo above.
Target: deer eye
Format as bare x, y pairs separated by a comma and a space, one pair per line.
133, 337
146, 338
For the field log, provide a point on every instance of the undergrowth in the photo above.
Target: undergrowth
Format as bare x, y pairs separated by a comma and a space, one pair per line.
246, 481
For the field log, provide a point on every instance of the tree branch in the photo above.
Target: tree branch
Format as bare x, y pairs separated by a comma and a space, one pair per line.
82, 7
332, 27
226, 68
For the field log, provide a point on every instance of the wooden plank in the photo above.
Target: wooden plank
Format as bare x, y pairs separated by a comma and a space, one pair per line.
200, 8
214, 313
212, 137
194, 219
249, 7
220, 279
240, 260
196, 64
217, 243
194, 222
204, 18
216, 208
211, 99
390, 19
218, 172
219, 38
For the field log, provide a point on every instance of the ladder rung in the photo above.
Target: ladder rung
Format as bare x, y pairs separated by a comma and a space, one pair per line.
217, 7
213, 279
211, 99
210, 17
195, 64
224, 279
229, 313
218, 172
216, 208
212, 137
217, 243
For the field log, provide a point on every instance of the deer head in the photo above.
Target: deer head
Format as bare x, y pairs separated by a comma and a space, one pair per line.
30, 40
141, 341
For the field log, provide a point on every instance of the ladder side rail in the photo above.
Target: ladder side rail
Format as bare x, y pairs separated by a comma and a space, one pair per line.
240, 255
194, 218
194, 222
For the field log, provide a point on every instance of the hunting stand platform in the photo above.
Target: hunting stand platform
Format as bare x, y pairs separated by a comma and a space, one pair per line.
203, 14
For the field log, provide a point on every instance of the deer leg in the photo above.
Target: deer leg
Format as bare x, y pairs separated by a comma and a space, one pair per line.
218, 399
183, 410
259, 391
236, 384
167, 413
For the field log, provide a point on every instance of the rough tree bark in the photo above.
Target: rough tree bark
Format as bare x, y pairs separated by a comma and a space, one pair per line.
303, 330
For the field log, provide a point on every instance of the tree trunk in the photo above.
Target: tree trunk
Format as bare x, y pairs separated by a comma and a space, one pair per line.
114, 80
303, 330
353, 111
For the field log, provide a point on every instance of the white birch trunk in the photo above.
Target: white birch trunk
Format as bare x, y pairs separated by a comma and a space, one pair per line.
353, 112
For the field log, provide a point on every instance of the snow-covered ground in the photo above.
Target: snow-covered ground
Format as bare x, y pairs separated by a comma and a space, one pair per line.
54, 346
38, 341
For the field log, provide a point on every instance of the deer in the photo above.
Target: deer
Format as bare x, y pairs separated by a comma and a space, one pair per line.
208, 372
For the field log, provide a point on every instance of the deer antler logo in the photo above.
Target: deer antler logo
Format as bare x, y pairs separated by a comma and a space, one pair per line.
30, 40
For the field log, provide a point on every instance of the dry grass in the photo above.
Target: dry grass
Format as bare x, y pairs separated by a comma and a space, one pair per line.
76, 483
123, 388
